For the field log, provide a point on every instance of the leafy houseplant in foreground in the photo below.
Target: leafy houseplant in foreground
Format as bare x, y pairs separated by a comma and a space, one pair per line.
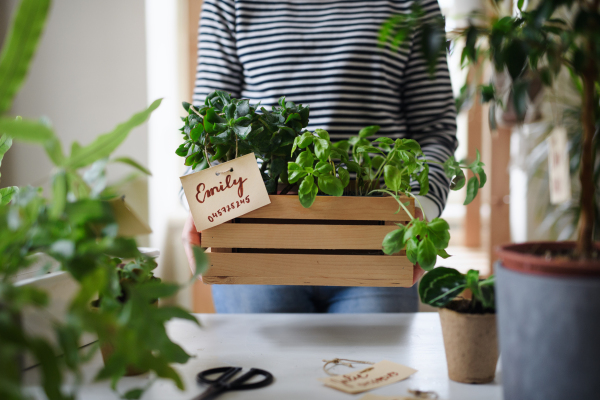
74, 225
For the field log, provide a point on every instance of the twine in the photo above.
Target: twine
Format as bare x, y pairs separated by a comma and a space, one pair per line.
342, 361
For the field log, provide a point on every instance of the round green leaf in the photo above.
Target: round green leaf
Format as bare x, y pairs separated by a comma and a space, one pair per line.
307, 199
439, 286
323, 167
344, 176
472, 187
411, 249
392, 177
393, 242
331, 185
307, 185
305, 159
426, 254
322, 148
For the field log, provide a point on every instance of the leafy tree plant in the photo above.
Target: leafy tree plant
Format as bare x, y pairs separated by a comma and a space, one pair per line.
534, 45
442, 285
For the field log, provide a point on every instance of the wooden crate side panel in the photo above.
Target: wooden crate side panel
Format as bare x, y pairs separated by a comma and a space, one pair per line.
332, 208
282, 236
325, 270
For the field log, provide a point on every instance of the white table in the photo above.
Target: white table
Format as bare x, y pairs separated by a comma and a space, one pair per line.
292, 347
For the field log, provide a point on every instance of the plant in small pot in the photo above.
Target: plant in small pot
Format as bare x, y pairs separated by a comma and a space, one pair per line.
548, 293
468, 325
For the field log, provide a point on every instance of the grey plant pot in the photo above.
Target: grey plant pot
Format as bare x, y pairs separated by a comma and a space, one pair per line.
549, 333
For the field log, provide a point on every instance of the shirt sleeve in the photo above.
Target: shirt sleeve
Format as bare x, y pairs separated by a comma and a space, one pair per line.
430, 113
218, 66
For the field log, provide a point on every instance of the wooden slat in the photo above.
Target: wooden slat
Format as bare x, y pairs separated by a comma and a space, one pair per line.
282, 236
327, 207
326, 270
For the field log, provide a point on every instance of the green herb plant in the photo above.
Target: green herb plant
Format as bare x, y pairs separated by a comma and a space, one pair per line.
325, 167
440, 287
75, 226
224, 128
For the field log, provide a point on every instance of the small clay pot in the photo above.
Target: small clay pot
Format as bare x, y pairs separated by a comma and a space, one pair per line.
471, 345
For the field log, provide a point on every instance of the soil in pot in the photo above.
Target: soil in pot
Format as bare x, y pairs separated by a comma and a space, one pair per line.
471, 343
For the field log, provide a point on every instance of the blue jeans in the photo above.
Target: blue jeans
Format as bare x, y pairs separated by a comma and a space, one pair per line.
313, 299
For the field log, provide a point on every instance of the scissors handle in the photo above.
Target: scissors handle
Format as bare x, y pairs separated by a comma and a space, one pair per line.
237, 384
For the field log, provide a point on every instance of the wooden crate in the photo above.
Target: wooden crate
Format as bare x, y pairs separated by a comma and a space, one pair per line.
336, 242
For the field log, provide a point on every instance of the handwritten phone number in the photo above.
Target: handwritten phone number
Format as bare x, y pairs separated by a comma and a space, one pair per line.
228, 207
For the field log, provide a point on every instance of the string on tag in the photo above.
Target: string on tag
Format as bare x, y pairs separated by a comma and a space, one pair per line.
224, 172
420, 394
341, 361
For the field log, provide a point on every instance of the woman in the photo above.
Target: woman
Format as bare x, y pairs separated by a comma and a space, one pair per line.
324, 53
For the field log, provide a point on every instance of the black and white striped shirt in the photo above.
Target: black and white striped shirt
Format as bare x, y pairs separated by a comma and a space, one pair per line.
324, 53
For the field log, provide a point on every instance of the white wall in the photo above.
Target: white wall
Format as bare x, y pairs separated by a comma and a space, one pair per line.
89, 74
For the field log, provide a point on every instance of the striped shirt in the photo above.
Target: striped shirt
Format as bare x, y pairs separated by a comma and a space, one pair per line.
324, 53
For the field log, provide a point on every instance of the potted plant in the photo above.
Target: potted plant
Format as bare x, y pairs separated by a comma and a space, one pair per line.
76, 226
547, 292
468, 326
335, 230
134, 272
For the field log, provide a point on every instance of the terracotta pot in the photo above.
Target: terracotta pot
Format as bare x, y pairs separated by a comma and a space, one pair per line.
471, 345
548, 323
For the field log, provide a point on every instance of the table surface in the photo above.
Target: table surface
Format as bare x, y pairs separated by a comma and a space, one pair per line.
292, 347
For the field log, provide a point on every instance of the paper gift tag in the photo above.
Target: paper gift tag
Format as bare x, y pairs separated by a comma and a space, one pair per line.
381, 374
224, 192
558, 165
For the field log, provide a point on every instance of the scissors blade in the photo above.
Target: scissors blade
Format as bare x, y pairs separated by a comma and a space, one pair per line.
212, 392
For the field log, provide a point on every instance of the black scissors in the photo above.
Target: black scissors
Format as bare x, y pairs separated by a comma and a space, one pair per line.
222, 384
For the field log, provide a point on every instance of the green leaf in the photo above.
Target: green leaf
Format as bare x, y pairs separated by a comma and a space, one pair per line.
344, 176
322, 148
59, 194
5, 144
368, 149
201, 262
105, 144
392, 177
19, 47
26, 130
442, 253
323, 167
440, 239
133, 394
331, 185
411, 249
423, 180
393, 242
472, 188
295, 172
438, 225
519, 96
305, 159
368, 131
196, 133
7, 193
132, 163
305, 140
426, 254
441, 285
323, 134
307, 192
515, 55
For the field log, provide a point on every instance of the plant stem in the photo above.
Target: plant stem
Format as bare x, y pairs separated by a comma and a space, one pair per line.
586, 169
420, 205
287, 188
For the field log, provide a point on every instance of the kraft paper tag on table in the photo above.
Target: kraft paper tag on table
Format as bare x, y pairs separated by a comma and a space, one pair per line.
225, 191
558, 166
380, 374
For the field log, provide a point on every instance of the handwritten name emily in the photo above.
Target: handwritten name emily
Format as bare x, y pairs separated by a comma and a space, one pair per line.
364, 379
202, 193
